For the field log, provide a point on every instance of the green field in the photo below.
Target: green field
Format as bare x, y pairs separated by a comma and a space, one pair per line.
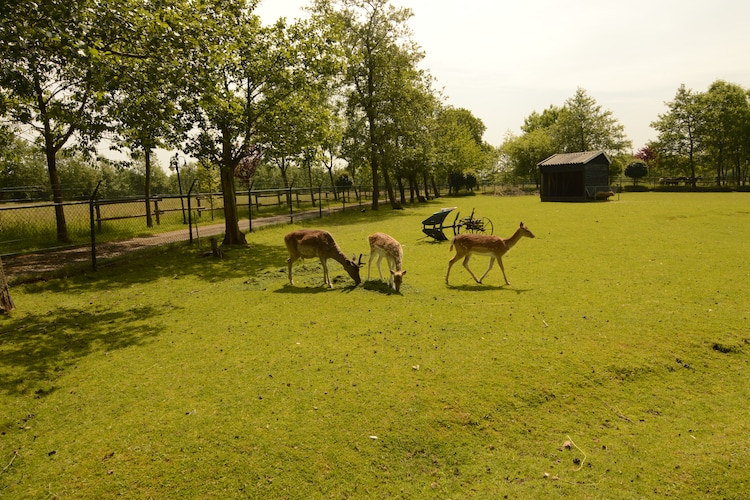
615, 365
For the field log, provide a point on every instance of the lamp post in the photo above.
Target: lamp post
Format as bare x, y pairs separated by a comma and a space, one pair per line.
174, 165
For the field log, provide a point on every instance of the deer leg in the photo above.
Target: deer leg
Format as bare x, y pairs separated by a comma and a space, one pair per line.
391, 268
326, 278
450, 264
502, 268
492, 260
380, 273
466, 265
289, 263
369, 263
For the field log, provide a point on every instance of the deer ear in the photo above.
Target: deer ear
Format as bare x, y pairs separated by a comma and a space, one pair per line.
521, 225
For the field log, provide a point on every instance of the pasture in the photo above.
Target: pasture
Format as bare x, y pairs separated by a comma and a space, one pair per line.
615, 365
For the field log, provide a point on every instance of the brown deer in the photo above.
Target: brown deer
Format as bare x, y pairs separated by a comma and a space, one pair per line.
482, 244
382, 245
309, 243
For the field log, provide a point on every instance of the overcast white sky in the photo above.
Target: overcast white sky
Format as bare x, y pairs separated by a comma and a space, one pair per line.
503, 60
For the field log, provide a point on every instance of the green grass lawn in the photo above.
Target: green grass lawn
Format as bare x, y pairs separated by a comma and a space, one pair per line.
615, 365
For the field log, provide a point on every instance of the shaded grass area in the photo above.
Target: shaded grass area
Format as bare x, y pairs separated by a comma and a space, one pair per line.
623, 333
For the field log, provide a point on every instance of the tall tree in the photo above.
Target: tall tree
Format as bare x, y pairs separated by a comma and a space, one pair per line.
583, 125
52, 67
458, 147
523, 153
377, 46
245, 72
679, 140
149, 80
726, 130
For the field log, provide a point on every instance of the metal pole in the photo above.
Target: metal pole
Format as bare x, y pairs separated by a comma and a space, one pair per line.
175, 163
291, 205
93, 226
190, 213
250, 207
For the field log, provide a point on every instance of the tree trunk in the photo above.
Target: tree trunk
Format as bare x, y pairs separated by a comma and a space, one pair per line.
333, 185
6, 303
232, 233
50, 151
374, 156
434, 187
389, 188
57, 198
400, 185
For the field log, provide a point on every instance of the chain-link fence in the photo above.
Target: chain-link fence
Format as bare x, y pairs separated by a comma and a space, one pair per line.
39, 237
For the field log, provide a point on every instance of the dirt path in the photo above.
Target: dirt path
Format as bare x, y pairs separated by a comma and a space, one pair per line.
48, 261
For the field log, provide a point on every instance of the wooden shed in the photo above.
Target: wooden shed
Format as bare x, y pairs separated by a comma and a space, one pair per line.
574, 176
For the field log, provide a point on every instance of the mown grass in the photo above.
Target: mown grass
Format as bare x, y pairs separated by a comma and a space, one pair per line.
623, 333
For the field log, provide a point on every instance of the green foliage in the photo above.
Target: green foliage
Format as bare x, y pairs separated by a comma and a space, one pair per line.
610, 371
458, 147
636, 170
580, 125
22, 169
384, 89
705, 134
522, 154
727, 130
679, 141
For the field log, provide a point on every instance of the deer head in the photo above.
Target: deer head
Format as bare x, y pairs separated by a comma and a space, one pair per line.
525, 231
352, 267
398, 278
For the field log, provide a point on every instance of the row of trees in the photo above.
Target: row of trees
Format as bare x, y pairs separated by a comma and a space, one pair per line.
579, 125
207, 77
24, 177
704, 134
24, 174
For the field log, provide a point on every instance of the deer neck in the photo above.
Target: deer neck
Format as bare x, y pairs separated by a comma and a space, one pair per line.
510, 242
339, 256
396, 261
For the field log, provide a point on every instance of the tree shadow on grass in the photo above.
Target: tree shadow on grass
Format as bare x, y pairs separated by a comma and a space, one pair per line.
37, 348
168, 261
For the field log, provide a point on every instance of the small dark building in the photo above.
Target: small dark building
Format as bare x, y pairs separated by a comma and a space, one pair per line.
574, 176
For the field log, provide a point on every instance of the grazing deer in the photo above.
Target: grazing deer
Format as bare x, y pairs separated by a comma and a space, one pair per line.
309, 243
382, 245
482, 244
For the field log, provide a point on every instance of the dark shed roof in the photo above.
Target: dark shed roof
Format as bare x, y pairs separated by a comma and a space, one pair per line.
572, 158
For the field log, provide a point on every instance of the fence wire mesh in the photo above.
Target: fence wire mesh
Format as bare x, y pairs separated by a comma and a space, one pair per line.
32, 238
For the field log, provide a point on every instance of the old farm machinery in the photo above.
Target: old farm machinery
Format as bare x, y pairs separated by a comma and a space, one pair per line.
434, 225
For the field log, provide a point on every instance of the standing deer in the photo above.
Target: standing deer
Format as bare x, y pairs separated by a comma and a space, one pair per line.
482, 244
382, 245
309, 243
